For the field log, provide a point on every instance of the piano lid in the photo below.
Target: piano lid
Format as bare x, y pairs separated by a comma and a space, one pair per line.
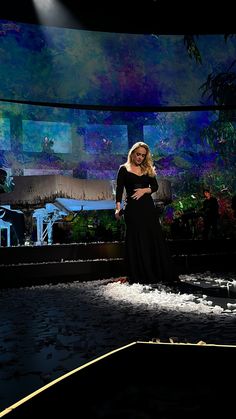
76, 205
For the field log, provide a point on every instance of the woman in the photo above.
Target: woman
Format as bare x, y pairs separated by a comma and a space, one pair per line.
147, 256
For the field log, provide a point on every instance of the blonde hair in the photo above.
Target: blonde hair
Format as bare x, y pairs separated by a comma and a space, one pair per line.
147, 166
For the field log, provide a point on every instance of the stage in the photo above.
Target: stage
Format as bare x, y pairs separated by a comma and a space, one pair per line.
48, 330
49, 259
136, 385
30, 265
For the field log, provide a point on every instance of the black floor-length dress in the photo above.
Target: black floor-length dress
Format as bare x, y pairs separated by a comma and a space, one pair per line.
147, 255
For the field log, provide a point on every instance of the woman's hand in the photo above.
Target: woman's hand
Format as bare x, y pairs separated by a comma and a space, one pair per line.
117, 214
138, 193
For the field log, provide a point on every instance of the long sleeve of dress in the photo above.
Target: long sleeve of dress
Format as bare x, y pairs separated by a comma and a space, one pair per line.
120, 183
153, 184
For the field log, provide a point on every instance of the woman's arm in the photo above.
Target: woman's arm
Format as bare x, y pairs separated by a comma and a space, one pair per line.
139, 192
153, 184
120, 183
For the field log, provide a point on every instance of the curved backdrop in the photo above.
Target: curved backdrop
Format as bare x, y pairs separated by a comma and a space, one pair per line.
40, 63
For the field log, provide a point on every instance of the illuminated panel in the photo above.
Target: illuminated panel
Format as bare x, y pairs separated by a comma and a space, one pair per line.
100, 138
5, 137
47, 137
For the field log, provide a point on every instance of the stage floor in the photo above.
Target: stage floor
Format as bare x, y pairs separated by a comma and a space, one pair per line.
49, 330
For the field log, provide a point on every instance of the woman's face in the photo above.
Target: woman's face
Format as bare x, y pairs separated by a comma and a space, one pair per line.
139, 155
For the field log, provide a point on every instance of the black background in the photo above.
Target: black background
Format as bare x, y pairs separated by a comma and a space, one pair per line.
131, 16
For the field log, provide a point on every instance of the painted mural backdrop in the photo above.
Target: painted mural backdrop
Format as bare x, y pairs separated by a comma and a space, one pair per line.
40, 63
